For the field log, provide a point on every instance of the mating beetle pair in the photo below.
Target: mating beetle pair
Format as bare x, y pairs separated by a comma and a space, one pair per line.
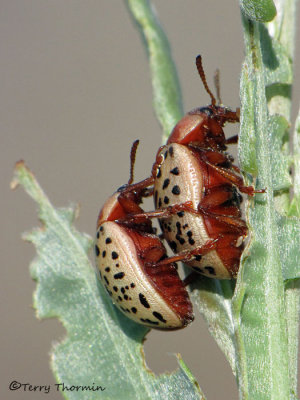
196, 196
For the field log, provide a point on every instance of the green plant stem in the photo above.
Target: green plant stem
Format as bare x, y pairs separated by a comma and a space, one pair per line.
268, 320
166, 90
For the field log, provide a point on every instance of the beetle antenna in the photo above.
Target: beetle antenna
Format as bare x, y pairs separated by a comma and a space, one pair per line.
203, 78
132, 160
217, 85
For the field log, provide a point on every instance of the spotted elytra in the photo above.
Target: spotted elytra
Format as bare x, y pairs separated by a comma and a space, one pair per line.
208, 235
128, 256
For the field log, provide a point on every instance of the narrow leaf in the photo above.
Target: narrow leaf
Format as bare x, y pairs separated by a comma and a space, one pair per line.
166, 89
262, 326
213, 299
295, 204
259, 10
289, 245
292, 308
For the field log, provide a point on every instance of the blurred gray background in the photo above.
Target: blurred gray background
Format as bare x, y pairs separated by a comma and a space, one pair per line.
75, 93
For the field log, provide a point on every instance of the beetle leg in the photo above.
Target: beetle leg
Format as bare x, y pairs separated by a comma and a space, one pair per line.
215, 157
141, 186
232, 139
217, 195
235, 180
136, 186
222, 199
189, 255
167, 212
235, 224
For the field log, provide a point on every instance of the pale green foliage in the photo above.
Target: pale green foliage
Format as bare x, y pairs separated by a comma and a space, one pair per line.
254, 320
166, 90
102, 347
259, 10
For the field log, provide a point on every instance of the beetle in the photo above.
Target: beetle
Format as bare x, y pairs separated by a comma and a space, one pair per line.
132, 267
194, 170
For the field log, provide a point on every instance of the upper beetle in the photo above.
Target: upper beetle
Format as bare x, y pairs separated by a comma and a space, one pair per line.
194, 171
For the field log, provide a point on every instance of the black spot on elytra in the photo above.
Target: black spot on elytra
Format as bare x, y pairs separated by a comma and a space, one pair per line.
159, 202
159, 316
198, 257
166, 200
148, 321
117, 265
175, 171
178, 226
180, 214
144, 301
191, 241
122, 290
158, 173
120, 298
155, 197
173, 246
126, 287
180, 239
97, 251
107, 269
101, 229
106, 280
166, 183
125, 297
132, 285
103, 253
189, 233
119, 275
171, 151
115, 288
134, 310
210, 269
114, 255
166, 154
108, 240
176, 190
98, 235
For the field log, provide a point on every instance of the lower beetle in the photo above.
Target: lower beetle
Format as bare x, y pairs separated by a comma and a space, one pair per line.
132, 264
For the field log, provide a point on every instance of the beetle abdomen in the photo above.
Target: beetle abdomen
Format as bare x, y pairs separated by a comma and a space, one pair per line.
148, 294
180, 178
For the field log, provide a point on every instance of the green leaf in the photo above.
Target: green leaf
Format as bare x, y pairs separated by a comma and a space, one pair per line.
292, 308
289, 245
213, 300
270, 257
165, 85
295, 203
277, 127
277, 74
259, 10
102, 347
